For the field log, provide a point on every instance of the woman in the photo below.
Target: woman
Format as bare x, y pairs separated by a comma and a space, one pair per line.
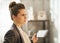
16, 34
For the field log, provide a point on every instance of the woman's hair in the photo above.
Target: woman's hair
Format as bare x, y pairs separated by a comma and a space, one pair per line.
15, 7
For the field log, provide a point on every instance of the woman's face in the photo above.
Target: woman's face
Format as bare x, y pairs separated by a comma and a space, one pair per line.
21, 16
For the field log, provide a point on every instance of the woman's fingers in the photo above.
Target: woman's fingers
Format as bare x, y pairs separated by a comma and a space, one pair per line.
34, 38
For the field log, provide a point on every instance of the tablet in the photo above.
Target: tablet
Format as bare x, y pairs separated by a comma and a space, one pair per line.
42, 33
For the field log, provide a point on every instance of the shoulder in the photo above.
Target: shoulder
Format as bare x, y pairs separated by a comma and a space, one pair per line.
9, 33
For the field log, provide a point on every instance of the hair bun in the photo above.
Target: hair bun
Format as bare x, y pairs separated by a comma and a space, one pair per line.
12, 4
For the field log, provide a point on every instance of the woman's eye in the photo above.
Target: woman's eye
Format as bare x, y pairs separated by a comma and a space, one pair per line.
23, 14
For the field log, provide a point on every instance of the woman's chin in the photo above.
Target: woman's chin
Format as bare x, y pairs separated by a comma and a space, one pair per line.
24, 22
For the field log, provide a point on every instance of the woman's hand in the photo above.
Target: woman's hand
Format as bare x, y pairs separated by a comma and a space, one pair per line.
34, 38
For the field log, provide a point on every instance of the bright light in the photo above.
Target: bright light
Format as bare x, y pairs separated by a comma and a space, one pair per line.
17, 1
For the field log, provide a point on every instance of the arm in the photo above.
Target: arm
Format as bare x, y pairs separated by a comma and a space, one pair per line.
9, 37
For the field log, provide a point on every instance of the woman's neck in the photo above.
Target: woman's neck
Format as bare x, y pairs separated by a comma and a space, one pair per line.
18, 24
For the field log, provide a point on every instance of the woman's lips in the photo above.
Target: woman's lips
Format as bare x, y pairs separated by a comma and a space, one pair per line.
24, 20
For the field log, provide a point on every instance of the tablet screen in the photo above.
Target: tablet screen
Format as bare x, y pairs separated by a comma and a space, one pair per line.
42, 33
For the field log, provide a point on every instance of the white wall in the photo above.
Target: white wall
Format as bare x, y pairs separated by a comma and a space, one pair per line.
55, 17
58, 3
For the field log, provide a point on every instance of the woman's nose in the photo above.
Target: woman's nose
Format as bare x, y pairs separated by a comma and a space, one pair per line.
25, 17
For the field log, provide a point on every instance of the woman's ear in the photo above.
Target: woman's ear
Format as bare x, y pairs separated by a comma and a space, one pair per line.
13, 17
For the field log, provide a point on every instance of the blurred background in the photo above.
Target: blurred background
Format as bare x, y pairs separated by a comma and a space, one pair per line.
42, 15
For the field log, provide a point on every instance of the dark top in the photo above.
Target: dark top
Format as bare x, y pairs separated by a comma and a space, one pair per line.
13, 36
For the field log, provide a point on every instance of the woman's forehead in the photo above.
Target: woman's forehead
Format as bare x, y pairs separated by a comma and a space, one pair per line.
22, 10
